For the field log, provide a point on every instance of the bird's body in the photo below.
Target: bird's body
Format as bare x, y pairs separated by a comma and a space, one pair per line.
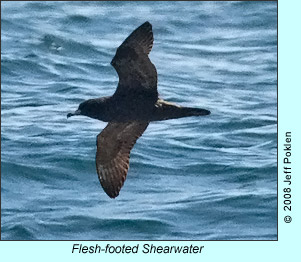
130, 109
116, 109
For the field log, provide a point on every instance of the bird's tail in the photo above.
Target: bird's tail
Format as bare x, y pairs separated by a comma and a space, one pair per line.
190, 111
166, 110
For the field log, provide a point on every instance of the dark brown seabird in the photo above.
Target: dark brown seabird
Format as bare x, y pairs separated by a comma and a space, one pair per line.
130, 109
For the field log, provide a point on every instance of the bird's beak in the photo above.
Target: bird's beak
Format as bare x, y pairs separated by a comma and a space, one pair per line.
76, 113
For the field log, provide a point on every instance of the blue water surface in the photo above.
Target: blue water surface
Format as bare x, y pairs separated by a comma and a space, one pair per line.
196, 178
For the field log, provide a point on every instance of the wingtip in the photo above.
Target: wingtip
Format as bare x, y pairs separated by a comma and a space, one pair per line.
112, 196
147, 24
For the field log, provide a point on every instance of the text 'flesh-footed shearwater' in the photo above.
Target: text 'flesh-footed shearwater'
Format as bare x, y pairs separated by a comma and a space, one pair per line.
130, 109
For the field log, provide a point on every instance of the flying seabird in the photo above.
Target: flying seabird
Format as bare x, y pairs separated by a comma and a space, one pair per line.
130, 109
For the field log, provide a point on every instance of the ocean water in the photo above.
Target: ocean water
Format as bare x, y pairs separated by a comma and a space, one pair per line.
196, 178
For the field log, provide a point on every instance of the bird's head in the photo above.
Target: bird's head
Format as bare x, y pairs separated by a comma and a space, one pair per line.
88, 108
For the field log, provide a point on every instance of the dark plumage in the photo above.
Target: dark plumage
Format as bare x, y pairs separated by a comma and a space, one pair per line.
129, 110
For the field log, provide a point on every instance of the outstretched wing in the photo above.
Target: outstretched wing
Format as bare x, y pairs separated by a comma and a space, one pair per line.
114, 144
136, 72
141, 39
